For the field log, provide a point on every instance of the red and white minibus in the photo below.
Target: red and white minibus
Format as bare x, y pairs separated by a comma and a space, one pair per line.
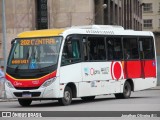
81, 61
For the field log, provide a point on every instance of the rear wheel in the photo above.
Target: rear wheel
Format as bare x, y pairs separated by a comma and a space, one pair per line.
89, 98
67, 97
25, 102
126, 91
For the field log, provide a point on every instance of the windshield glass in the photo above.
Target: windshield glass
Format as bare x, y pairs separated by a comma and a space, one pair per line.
34, 53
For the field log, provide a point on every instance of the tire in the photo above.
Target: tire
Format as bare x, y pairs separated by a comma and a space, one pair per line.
25, 102
126, 91
90, 98
67, 97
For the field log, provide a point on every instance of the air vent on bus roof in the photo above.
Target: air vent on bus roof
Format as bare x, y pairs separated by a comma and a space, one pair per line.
99, 27
129, 29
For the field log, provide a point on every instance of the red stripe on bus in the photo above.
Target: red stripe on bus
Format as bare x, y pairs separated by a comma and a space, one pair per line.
37, 82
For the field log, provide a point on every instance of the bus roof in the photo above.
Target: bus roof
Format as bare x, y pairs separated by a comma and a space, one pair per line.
90, 29
41, 33
106, 30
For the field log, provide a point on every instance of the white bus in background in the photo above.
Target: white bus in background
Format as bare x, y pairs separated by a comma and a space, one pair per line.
82, 61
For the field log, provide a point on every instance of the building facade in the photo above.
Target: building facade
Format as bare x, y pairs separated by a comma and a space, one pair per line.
151, 15
151, 22
151, 19
24, 15
127, 13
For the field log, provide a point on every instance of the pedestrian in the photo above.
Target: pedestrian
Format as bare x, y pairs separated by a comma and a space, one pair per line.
1, 81
1, 72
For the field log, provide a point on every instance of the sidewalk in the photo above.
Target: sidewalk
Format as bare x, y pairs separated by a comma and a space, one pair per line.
155, 88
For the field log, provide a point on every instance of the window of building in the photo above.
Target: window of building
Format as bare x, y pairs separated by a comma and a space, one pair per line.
130, 48
147, 23
96, 48
114, 47
147, 7
42, 17
159, 6
146, 48
71, 52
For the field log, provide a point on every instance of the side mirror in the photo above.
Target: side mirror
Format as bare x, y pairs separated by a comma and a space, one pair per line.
12, 41
69, 38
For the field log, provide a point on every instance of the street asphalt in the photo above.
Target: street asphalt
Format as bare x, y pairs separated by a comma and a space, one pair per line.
146, 100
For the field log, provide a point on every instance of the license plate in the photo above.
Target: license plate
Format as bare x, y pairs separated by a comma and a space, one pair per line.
26, 95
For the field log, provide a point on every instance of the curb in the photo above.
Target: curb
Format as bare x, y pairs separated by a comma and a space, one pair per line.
7, 100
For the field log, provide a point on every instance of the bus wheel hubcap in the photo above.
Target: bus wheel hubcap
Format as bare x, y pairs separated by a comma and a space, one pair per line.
67, 96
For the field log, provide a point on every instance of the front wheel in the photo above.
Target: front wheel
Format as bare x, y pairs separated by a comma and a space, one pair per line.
126, 91
25, 102
67, 97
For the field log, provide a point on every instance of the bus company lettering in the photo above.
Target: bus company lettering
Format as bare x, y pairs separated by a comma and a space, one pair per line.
100, 32
17, 83
94, 72
91, 71
105, 70
35, 81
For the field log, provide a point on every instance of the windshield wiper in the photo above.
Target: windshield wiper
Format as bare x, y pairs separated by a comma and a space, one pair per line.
16, 69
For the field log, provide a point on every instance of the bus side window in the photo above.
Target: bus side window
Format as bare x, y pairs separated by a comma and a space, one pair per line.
71, 52
146, 48
130, 48
85, 49
114, 47
96, 48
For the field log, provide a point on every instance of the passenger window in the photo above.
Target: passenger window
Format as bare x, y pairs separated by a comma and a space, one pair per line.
96, 48
130, 48
114, 47
85, 49
71, 52
146, 48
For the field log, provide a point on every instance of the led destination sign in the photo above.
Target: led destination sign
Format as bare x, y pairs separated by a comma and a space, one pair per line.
20, 61
41, 41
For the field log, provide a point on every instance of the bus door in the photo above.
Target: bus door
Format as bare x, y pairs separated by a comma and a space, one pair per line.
70, 70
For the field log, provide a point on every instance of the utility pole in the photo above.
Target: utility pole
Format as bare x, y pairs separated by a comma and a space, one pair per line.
4, 35
4, 42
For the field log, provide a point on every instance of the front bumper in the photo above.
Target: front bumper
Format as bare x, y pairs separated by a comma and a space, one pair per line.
51, 91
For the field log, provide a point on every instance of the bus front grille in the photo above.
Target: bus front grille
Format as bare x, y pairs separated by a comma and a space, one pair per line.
33, 94
26, 88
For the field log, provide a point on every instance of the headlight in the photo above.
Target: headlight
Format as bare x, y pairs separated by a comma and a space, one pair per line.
9, 84
48, 82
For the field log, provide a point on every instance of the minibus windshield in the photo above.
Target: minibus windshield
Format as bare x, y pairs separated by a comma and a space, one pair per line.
34, 53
